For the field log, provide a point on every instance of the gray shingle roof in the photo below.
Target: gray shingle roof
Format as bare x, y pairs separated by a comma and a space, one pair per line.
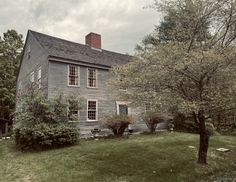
57, 47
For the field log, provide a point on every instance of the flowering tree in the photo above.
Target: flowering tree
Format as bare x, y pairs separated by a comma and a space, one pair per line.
194, 71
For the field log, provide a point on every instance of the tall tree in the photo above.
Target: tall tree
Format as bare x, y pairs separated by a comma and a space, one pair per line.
194, 69
11, 45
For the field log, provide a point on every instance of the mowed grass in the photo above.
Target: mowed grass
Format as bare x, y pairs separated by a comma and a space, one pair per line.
164, 157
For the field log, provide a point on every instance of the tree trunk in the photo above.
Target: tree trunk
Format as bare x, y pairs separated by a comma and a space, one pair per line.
204, 139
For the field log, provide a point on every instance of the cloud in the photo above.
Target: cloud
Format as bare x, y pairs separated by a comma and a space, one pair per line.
122, 24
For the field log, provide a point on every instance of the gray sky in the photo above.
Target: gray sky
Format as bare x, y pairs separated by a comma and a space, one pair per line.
122, 23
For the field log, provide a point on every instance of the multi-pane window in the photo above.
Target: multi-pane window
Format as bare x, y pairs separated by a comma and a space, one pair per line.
92, 77
92, 110
32, 76
39, 81
73, 75
73, 110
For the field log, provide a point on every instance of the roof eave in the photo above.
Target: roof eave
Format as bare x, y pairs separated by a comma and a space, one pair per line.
78, 62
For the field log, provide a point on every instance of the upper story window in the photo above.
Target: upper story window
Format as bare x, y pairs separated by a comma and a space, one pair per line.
32, 76
92, 110
92, 78
73, 75
39, 77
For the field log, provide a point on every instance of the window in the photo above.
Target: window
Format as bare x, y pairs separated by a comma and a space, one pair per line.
92, 78
32, 76
73, 110
73, 75
123, 109
92, 110
39, 81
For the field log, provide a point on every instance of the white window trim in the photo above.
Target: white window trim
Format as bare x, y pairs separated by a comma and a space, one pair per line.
39, 77
96, 78
32, 77
68, 80
96, 110
123, 103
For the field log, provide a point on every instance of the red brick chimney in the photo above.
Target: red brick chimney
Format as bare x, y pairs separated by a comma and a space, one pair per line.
93, 40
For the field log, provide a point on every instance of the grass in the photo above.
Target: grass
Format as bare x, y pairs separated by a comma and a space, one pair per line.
164, 157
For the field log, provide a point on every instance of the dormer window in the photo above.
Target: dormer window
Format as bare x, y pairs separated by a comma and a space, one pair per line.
92, 78
73, 75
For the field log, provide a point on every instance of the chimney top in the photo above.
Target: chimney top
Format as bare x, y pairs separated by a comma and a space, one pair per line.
93, 40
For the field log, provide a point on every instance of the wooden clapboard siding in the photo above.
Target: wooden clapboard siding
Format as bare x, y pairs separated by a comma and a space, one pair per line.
57, 82
38, 58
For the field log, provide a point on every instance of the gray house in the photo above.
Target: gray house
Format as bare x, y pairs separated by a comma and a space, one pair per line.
58, 65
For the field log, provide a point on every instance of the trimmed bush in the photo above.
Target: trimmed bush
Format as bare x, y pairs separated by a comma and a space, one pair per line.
118, 123
152, 118
45, 136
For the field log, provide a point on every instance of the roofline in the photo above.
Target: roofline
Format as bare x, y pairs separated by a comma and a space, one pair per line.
73, 61
79, 43
23, 52
22, 55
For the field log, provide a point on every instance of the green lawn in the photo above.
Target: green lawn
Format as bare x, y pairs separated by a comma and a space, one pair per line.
164, 157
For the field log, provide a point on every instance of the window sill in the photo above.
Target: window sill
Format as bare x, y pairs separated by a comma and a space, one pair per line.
92, 120
75, 86
92, 87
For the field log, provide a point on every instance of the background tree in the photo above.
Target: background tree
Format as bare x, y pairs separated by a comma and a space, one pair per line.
193, 69
11, 45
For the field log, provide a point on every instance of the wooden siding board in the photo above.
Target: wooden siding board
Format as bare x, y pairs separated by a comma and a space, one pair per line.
58, 83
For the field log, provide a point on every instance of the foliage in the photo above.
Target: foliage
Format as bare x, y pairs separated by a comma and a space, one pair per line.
211, 129
184, 123
44, 136
152, 118
10, 51
43, 123
195, 71
117, 123
11, 44
35, 108
59, 106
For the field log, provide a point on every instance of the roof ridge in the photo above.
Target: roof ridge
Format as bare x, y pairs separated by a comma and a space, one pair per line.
56, 37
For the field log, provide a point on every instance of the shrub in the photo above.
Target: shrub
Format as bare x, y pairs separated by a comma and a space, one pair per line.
211, 129
185, 123
118, 123
44, 136
152, 118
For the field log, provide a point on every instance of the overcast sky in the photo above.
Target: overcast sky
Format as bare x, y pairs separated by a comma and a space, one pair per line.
122, 23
